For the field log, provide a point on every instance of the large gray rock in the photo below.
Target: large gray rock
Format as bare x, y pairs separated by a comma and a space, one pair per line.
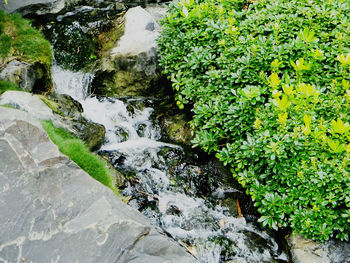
52, 211
307, 251
27, 102
131, 67
38, 7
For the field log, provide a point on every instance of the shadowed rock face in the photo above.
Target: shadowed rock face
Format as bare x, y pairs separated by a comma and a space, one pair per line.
52, 211
38, 7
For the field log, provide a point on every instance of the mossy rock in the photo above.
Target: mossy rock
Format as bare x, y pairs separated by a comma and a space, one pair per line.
129, 62
178, 129
25, 55
70, 110
127, 83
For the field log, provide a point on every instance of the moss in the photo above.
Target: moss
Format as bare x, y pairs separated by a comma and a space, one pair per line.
26, 41
6, 85
5, 45
77, 151
19, 40
107, 40
54, 106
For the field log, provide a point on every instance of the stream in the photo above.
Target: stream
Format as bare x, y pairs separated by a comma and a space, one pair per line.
186, 193
177, 189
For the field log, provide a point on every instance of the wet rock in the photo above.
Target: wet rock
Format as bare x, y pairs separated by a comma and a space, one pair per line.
38, 7
79, 33
177, 129
52, 211
68, 114
28, 76
71, 111
231, 204
64, 105
99, 3
131, 68
308, 251
122, 134
91, 133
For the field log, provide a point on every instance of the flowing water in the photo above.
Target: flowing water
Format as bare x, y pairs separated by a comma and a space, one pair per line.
177, 190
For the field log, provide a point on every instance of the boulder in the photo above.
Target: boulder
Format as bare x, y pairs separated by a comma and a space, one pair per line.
130, 68
174, 123
52, 211
27, 102
68, 114
28, 76
307, 251
31, 7
19, 73
71, 119
177, 129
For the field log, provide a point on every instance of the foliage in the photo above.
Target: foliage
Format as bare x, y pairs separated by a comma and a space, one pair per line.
269, 85
18, 39
5, 86
76, 150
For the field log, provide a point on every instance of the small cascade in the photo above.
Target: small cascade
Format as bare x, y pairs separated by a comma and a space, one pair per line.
74, 84
164, 181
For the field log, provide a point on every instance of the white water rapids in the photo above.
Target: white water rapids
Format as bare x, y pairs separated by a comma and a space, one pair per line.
134, 136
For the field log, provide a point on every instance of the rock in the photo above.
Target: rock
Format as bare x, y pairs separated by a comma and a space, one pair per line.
77, 32
30, 7
27, 102
177, 129
156, 11
52, 211
131, 68
20, 73
174, 122
91, 133
68, 114
28, 76
308, 251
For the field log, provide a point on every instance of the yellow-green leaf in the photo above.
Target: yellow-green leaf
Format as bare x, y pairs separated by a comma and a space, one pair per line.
339, 126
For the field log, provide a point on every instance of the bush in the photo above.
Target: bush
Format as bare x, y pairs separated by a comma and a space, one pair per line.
269, 85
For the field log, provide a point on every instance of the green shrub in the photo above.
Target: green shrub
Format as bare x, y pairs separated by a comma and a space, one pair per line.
19, 39
77, 151
269, 84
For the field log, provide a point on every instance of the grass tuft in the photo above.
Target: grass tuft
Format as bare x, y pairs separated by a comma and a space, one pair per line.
19, 39
77, 151
6, 85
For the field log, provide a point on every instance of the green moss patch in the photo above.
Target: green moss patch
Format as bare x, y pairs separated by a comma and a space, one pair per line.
5, 86
19, 39
77, 151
